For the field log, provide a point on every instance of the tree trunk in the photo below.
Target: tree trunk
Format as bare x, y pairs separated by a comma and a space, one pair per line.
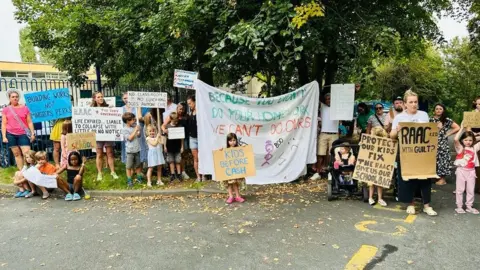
319, 67
302, 69
332, 68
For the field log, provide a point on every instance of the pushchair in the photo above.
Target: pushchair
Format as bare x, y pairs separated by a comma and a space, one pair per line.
340, 181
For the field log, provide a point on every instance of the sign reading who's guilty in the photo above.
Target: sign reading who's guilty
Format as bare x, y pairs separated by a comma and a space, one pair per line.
235, 162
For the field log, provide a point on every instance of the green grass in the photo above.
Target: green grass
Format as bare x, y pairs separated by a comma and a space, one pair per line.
108, 183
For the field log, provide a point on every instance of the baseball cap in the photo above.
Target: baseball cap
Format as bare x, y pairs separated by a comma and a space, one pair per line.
398, 98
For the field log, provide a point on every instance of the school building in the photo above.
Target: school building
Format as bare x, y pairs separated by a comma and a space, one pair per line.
36, 71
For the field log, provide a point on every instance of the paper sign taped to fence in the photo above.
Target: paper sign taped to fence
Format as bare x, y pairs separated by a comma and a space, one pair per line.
105, 122
418, 150
86, 102
176, 133
471, 119
342, 101
49, 105
34, 175
184, 79
81, 141
147, 99
235, 162
376, 160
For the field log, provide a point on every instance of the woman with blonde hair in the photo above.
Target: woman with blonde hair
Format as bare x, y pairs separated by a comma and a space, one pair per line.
406, 189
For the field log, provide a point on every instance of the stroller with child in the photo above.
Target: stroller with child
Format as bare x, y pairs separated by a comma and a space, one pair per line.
343, 156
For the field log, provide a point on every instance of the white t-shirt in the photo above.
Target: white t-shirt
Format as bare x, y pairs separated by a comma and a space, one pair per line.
170, 108
330, 126
404, 117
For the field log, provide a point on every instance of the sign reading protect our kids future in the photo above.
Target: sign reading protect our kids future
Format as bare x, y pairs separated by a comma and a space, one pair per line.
49, 105
233, 163
418, 150
105, 122
376, 160
281, 130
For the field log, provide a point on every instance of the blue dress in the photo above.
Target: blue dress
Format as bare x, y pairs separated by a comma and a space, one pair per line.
143, 142
155, 155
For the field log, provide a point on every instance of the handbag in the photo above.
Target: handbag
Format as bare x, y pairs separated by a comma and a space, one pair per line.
15, 115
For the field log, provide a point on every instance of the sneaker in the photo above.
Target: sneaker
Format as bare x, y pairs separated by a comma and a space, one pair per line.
411, 210
76, 197
198, 180
230, 200
25, 193
371, 201
99, 177
178, 177
382, 203
69, 197
429, 211
18, 194
149, 184
30, 194
160, 183
129, 183
185, 176
172, 177
140, 179
239, 199
316, 176
114, 175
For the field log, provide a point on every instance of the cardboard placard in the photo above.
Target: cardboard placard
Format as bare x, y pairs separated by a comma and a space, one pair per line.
184, 79
86, 102
49, 105
176, 133
80, 141
376, 160
418, 150
235, 162
147, 99
105, 122
471, 119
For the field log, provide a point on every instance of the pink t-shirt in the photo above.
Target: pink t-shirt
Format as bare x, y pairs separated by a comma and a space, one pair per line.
13, 126
467, 156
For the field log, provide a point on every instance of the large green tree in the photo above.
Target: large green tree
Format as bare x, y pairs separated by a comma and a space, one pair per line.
26, 47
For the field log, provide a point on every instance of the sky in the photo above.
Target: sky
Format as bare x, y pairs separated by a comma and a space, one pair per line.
9, 31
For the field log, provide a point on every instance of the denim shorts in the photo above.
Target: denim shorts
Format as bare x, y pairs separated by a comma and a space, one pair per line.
17, 140
193, 143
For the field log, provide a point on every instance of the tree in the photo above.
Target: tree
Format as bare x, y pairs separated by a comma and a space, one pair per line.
27, 50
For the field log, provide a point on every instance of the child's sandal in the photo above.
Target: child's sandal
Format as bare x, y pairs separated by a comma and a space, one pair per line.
472, 210
429, 211
460, 211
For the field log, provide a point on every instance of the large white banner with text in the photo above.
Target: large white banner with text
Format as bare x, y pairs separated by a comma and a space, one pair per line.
282, 130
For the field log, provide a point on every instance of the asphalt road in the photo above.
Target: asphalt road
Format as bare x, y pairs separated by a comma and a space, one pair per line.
298, 230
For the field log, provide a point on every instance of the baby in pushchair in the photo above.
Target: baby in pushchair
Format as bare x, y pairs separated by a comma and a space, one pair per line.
344, 163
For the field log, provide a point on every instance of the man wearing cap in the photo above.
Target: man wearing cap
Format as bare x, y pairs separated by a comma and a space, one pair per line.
397, 108
328, 134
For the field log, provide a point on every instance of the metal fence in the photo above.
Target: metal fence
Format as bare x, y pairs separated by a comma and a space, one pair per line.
42, 130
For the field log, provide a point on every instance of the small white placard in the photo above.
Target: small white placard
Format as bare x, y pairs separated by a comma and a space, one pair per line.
342, 102
176, 133
147, 99
86, 102
184, 79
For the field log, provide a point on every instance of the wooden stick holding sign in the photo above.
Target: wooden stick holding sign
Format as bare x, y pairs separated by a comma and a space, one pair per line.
233, 163
376, 159
418, 150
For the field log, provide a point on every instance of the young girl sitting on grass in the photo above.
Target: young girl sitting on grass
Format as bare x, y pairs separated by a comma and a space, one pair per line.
20, 181
233, 186
75, 170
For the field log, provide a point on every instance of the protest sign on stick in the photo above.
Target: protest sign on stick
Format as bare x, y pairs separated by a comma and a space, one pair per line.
418, 150
176, 133
234, 162
105, 122
342, 101
49, 105
184, 79
147, 99
471, 119
81, 141
376, 159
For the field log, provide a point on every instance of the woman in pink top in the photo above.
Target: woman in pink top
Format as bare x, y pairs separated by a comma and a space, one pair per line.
17, 127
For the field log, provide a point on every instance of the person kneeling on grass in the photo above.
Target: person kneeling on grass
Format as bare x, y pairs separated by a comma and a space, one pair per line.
75, 170
47, 169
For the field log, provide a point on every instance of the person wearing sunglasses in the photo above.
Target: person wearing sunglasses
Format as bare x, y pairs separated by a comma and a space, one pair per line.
376, 122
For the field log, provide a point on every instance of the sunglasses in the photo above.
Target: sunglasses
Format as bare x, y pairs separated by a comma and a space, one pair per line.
379, 108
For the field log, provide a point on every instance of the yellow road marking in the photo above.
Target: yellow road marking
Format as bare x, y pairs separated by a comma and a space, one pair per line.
410, 219
361, 258
362, 226
396, 209
391, 219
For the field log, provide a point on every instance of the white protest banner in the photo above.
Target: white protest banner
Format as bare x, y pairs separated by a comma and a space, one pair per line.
282, 130
86, 102
342, 101
147, 99
33, 175
105, 122
184, 79
176, 133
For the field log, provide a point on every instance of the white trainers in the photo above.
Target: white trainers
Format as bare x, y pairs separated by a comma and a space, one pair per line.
198, 180
99, 177
382, 203
114, 175
316, 176
185, 176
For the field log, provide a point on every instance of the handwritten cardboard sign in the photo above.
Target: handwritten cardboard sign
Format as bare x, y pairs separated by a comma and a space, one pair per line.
233, 163
184, 79
376, 159
471, 119
80, 141
147, 99
176, 133
105, 122
418, 150
49, 105
86, 102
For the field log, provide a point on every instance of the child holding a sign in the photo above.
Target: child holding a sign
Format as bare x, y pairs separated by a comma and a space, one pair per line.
466, 161
131, 135
174, 150
155, 155
233, 186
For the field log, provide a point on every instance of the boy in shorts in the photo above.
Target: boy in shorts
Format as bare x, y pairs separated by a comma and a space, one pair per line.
131, 134
174, 149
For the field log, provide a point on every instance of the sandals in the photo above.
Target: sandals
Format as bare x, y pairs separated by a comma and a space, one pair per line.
460, 211
411, 210
371, 201
46, 196
382, 203
429, 211
472, 210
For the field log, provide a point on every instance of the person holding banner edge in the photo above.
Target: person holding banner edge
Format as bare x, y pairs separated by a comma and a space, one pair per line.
406, 189
17, 127
99, 101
